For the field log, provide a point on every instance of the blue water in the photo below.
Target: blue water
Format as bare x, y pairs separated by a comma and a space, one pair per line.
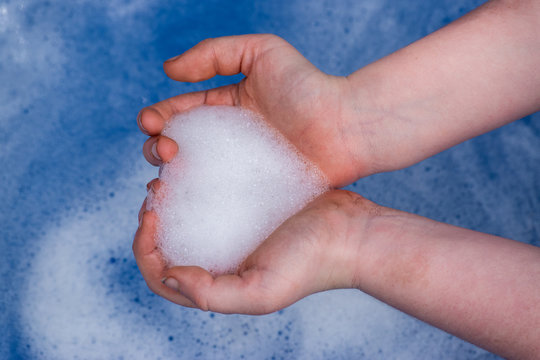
73, 76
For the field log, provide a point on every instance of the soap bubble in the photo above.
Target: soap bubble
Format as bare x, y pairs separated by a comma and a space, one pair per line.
234, 180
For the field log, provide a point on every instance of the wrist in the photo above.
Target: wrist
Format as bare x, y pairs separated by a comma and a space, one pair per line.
362, 119
360, 221
345, 154
375, 242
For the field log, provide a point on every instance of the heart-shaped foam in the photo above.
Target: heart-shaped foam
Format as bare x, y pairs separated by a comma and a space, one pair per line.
234, 180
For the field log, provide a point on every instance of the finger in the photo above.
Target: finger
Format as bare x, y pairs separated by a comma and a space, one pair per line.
142, 211
154, 192
152, 119
171, 293
155, 195
150, 183
159, 149
227, 55
150, 262
150, 151
153, 187
146, 254
144, 243
226, 294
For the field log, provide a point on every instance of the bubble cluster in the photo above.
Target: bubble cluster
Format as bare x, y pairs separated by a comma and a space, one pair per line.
234, 180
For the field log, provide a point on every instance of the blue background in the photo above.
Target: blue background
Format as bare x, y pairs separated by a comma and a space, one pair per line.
73, 76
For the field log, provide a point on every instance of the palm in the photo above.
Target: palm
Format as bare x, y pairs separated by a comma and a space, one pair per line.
305, 105
306, 254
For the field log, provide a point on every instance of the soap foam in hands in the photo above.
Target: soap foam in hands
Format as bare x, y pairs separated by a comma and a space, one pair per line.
233, 182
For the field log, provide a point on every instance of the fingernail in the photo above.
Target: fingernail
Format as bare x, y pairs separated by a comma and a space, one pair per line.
139, 122
173, 58
171, 283
154, 151
140, 221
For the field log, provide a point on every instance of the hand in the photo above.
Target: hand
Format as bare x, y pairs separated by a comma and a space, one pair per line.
310, 108
310, 252
307, 106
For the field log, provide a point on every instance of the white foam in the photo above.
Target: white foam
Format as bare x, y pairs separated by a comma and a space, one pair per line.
76, 304
233, 182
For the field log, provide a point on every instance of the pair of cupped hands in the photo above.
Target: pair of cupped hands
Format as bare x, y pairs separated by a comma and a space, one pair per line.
319, 248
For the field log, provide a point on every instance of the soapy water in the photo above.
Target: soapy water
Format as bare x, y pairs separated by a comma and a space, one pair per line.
72, 288
84, 298
234, 180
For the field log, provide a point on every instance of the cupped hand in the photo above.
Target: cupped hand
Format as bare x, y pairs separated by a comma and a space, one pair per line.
310, 108
310, 252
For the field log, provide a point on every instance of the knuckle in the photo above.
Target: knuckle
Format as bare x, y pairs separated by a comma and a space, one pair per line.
205, 42
272, 39
153, 288
200, 300
264, 300
200, 293
264, 305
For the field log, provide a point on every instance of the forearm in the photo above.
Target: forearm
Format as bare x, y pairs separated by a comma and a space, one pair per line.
479, 287
472, 76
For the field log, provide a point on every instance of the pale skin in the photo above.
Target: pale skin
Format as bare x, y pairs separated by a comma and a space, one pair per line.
470, 77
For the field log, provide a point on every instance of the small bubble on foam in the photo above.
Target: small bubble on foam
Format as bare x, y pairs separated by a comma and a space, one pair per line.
234, 180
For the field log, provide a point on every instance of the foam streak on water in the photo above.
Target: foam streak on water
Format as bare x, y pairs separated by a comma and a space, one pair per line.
234, 181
